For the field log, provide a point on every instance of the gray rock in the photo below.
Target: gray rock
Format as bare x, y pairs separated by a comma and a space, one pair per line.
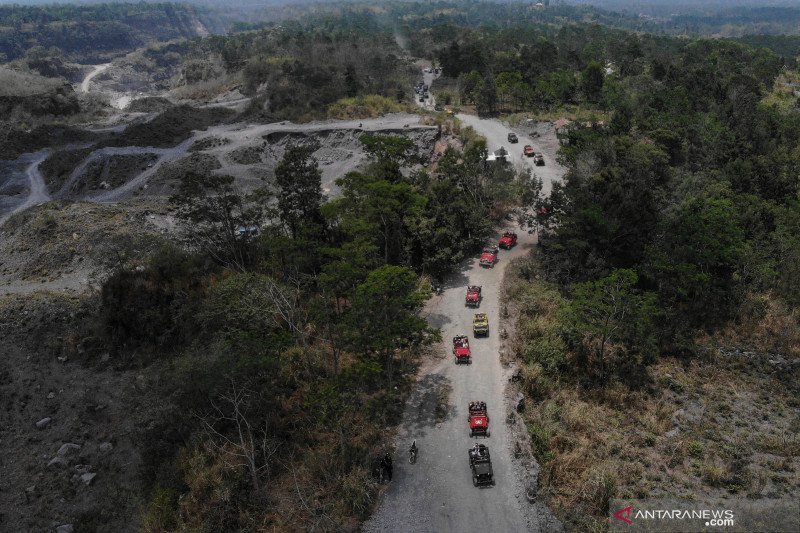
57, 462
672, 433
65, 528
68, 449
87, 477
51, 395
43, 423
105, 447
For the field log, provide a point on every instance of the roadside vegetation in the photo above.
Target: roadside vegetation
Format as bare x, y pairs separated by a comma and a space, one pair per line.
663, 302
289, 331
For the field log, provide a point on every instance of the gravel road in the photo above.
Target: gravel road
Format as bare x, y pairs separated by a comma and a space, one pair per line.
545, 142
97, 69
436, 493
37, 189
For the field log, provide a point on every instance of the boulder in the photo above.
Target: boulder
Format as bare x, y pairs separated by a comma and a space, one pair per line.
65, 528
43, 423
87, 477
105, 447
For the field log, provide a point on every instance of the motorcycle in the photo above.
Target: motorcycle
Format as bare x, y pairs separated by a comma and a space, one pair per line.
412, 453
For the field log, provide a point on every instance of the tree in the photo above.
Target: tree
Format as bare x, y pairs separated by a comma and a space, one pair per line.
694, 264
300, 196
373, 206
610, 316
220, 221
468, 85
592, 81
385, 315
486, 98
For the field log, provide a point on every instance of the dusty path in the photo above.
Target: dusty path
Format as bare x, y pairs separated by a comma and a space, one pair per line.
37, 189
241, 135
165, 155
496, 134
436, 494
90, 76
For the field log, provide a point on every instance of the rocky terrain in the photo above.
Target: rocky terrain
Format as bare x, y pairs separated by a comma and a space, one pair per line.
68, 423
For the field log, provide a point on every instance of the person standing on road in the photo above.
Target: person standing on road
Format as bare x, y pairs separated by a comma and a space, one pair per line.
387, 464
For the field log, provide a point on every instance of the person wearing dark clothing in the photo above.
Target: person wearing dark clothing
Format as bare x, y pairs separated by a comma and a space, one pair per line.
387, 465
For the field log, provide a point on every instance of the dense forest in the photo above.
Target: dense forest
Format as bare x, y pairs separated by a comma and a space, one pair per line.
92, 33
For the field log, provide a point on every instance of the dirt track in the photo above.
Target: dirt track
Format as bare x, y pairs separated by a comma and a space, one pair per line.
436, 494
496, 134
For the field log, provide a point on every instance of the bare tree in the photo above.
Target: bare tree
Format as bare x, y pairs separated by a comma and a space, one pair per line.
239, 442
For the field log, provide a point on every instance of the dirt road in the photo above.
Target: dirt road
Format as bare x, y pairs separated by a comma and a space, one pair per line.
88, 79
545, 142
436, 494
241, 135
37, 189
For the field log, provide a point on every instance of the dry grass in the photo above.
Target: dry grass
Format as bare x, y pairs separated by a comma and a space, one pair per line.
369, 106
716, 427
784, 89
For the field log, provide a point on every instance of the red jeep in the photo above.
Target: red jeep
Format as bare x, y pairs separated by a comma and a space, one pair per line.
478, 419
489, 257
473, 296
461, 350
508, 240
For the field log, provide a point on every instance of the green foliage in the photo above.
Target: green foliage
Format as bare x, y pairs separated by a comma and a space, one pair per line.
592, 81
223, 222
365, 106
696, 262
300, 196
610, 317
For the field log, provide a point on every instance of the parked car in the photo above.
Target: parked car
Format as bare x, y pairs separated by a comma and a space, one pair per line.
528, 151
539, 160
512, 137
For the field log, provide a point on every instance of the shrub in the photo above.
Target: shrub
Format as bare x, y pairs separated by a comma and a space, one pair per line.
367, 106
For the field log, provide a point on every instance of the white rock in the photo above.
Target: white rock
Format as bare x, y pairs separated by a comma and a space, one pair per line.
87, 477
43, 423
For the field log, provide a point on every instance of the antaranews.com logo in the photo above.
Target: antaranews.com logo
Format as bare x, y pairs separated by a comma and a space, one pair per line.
764, 516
